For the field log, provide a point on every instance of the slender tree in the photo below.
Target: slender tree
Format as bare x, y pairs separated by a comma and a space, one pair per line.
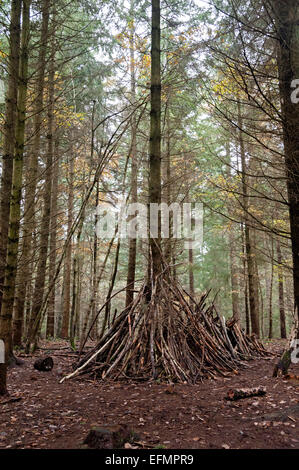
155, 136
15, 203
252, 284
9, 132
132, 241
286, 16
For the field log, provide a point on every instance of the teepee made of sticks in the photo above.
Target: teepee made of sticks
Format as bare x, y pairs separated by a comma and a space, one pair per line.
169, 337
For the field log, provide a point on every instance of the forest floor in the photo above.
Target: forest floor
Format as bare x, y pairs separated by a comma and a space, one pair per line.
50, 415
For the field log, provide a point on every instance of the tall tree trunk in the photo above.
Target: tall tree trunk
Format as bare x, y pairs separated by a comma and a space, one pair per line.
260, 288
287, 27
29, 221
68, 256
246, 301
95, 264
270, 334
132, 241
232, 252
53, 137
53, 242
245, 282
234, 277
9, 132
20, 296
15, 204
252, 284
155, 136
39, 287
91, 311
169, 244
95, 239
76, 287
283, 331
250, 254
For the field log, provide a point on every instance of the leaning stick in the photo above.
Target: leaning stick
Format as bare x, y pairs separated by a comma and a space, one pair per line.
89, 360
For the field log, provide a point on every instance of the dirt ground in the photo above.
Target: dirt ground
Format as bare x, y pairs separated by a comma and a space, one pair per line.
49, 415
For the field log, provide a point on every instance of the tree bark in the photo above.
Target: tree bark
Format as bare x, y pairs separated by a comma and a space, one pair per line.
14, 213
19, 311
75, 287
251, 271
170, 243
9, 132
53, 145
29, 221
39, 286
233, 256
270, 335
155, 136
68, 257
287, 26
283, 332
245, 282
234, 278
53, 244
132, 241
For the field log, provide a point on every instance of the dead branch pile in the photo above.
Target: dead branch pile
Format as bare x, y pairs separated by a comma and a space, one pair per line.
170, 337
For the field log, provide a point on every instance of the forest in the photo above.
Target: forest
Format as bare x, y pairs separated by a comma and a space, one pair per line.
149, 224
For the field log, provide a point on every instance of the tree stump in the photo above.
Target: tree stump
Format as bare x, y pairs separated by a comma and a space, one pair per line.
44, 364
282, 366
